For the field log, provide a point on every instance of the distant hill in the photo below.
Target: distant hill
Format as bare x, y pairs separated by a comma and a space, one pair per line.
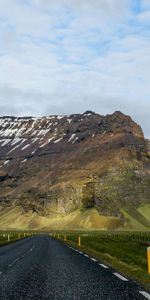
84, 171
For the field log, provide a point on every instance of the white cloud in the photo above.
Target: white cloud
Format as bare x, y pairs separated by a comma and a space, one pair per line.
145, 17
106, 6
111, 8
145, 4
64, 56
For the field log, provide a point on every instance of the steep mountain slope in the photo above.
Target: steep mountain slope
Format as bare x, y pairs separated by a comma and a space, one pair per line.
78, 171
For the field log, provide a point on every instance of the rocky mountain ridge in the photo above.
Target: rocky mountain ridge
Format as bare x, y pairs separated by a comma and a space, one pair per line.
19, 134
57, 165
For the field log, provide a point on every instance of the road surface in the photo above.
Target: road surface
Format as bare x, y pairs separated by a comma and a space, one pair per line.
40, 267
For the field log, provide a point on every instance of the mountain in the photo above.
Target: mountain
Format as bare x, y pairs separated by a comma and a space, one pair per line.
84, 171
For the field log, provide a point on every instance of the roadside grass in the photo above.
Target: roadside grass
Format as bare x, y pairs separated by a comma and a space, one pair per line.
5, 242
7, 238
127, 256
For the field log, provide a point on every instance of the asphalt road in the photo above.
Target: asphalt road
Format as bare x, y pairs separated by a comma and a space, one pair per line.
43, 268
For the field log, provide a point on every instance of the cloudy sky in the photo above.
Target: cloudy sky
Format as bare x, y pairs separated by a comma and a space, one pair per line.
68, 56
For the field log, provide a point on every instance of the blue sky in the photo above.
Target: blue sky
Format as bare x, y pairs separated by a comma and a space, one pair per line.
68, 56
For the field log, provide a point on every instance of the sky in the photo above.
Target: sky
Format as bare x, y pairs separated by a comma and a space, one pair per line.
69, 56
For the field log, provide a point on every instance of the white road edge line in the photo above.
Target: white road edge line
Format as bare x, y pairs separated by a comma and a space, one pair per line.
86, 255
146, 295
120, 277
93, 259
103, 266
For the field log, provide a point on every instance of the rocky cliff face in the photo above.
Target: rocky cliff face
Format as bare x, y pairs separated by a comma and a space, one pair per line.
56, 165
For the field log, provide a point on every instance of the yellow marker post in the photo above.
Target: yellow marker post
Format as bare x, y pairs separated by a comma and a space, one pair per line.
65, 238
148, 259
79, 241
58, 236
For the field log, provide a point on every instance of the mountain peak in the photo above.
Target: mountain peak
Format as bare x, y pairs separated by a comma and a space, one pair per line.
89, 112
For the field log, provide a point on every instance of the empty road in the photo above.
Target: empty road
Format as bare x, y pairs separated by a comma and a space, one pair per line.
40, 267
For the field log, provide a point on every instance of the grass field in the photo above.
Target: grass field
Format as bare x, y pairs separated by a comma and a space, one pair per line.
127, 252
